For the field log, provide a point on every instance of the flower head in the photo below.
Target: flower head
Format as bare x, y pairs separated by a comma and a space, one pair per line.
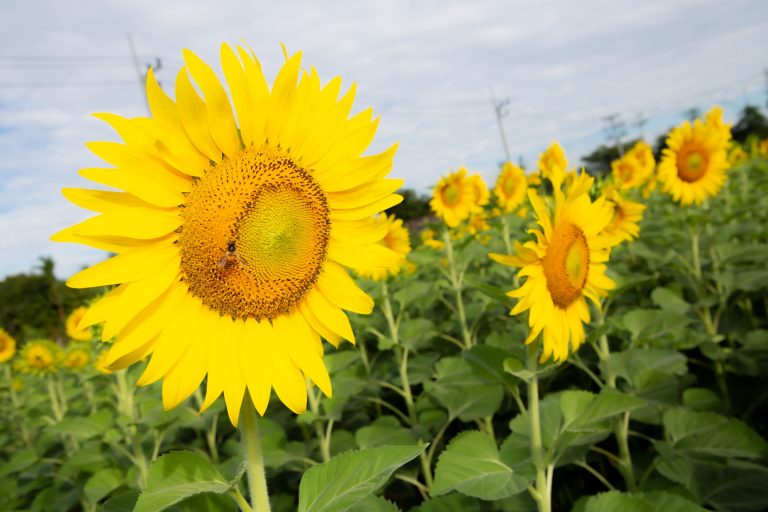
235, 218
40, 357
454, 197
73, 322
510, 187
76, 358
626, 216
7, 346
552, 158
428, 238
694, 162
562, 267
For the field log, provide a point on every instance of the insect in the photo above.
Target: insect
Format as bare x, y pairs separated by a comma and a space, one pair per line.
231, 257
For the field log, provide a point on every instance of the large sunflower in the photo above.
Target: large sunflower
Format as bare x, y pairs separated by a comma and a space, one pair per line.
454, 198
7, 346
233, 236
694, 162
563, 267
510, 187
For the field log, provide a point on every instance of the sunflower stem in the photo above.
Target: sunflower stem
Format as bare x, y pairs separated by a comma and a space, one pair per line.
543, 485
254, 460
456, 278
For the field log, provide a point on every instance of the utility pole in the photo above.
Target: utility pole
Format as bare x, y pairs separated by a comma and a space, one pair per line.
142, 75
615, 129
501, 112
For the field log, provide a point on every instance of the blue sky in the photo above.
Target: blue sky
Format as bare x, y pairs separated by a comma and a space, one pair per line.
427, 67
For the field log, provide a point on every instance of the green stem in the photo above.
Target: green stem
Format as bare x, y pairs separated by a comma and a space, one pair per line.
16, 405
55, 406
254, 461
543, 487
456, 278
240, 499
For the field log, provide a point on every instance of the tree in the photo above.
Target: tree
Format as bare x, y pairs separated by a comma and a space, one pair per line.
598, 162
752, 123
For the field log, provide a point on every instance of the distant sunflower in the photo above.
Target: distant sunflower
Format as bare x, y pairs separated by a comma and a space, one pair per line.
627, 172
428, 238
7, 346
76, 358
643, 154
552, 159
563, 267
625, 223
510, 187
454, 198
232, 236
73, 321
40, 357
480, 190
396, 239
694, 162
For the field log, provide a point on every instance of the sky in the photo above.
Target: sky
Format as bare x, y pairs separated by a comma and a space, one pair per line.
430, 69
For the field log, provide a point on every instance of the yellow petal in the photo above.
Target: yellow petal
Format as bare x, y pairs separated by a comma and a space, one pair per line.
255, 361
331, 316
140, 185
363, 231
194, 117
221, 356
220, 118
123, 268
357, 171
238, 86
364, 195
367, 210
288, 381
234, 389
303, 347
330, 336
140, 223
259, 94
336, 285
103, 200
363, 256
185, 377
282, 95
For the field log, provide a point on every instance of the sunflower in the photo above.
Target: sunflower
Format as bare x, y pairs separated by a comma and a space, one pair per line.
40, 357
454, 198
694, 162
563, 266
626, 216
398, 240
480, 190
428, 239
233, 236
7, 346
628, 171
510, 187
73, 321
76, 358
552, 158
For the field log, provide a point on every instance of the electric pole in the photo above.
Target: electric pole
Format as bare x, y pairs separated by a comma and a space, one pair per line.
142, 75
615, 129
501, 112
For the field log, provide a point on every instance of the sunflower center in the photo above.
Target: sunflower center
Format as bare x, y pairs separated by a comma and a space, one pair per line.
255, 234
625, 172
618, 216
3, 344
451, 194
566, 264
691, 164
40, 359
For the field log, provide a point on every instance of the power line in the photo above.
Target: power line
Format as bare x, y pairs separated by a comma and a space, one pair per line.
501, 112
614, 130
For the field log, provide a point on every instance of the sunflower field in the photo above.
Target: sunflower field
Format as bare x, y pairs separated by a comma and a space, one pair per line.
553, 341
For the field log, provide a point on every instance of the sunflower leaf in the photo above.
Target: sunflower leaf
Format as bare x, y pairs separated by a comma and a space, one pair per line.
177, 476
346, 479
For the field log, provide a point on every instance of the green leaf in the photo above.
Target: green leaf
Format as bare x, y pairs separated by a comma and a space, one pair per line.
385, 430
471, 465
19, 462
450, 503
102, 483
374, 504
670, 300
614, 500
121, 503
464, 395
176, 476
602, 407
487, 363
416, 333
346, 479
84, 428
712, 434
701, 399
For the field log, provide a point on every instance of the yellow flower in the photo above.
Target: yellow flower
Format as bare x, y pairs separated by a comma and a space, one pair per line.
73, 321
510, 187
397, 240
714, 119
736, 155
40, 357
694, 162
76, 358
428, 239
477, 224
562, 267
551, 159
534, 179
232, 237
629, 171
626, 216
454, 198
643, 153
479, 190
7, 346
100, 363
